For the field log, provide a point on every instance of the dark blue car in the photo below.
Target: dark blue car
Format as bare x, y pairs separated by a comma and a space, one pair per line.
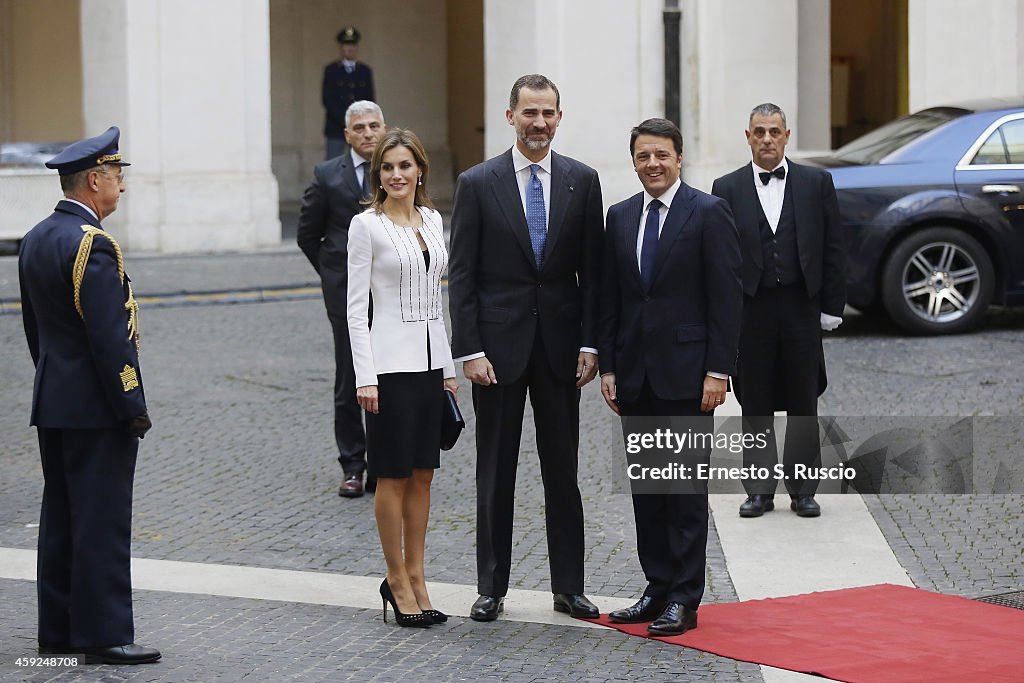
932, 206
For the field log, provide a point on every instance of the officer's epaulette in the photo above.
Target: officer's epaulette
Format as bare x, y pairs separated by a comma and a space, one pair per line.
78, 274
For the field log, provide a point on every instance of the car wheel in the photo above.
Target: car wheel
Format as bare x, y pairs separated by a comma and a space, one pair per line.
936, 281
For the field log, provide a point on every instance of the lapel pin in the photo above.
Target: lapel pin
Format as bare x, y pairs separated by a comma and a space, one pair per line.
570, 188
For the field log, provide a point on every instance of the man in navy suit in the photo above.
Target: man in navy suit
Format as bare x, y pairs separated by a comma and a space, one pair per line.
89, 407
670, 322
523, 287
794, 286
345, 81
328, 205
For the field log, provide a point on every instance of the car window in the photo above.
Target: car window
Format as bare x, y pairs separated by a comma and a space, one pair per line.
993, 151
1004, 146
881, 142
1013, 139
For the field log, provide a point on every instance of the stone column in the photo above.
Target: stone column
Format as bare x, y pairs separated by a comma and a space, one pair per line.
742, 54
188, 82
963, 50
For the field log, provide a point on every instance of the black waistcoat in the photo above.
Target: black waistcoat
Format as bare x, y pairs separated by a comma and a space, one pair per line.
779, 252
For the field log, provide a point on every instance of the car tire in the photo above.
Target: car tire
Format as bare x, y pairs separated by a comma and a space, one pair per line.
937, 281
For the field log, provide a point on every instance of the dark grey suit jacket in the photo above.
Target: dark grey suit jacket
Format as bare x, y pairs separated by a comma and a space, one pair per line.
498, 298
818, 232
328, 206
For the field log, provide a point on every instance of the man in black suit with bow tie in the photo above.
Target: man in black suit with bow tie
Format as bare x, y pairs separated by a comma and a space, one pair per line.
670, 323
328, 205
794, 285
523, 286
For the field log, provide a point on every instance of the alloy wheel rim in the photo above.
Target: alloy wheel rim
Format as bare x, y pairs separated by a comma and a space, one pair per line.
941, 282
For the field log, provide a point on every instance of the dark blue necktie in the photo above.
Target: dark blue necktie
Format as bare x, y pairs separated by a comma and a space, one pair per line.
536, 220
650, 244
366, 179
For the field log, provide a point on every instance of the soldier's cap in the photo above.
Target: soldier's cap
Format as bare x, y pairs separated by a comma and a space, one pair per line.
348, 34
90, 152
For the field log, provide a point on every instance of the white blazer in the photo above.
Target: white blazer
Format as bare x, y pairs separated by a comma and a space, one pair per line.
385, 260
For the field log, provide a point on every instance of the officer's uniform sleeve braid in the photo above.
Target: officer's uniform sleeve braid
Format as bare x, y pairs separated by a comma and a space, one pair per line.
78, 274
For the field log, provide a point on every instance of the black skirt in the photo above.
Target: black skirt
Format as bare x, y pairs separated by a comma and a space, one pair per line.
406, 433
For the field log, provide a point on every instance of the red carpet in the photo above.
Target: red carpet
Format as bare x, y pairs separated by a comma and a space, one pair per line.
884, 633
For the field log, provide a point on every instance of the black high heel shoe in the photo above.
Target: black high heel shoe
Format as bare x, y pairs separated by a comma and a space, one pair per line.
421, 620
436, 616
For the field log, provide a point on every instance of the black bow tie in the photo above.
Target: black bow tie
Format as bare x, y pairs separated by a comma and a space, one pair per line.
779, 173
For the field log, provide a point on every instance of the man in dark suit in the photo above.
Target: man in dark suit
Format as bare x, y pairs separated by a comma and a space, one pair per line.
89, 407
670, 324
328, 205
523, 287
345, 81
794, 286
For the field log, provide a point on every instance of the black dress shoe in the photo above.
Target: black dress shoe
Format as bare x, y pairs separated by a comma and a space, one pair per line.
674, 620
645, 609
120, 654
805, 506
56, 650
576, 605
352, 487
756, 505
486, 608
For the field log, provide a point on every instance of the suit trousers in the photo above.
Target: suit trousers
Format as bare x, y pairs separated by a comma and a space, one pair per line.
671, 529
499, 426
349, 432
84, 578
779, 359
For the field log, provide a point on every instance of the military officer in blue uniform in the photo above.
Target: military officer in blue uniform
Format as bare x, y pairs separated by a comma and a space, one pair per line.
89, 407
345, 81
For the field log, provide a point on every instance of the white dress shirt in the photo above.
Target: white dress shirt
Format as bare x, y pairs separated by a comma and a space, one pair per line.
771, 195
666, 201
91, 212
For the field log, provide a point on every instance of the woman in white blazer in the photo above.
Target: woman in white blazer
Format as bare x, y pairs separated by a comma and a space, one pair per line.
402, 361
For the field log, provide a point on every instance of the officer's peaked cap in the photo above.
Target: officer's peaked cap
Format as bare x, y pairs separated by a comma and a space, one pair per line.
88, 153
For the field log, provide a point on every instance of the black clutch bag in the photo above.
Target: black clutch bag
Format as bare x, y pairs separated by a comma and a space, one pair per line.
451, 420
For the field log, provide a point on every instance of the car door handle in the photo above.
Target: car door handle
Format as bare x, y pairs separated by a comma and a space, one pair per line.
1000, 189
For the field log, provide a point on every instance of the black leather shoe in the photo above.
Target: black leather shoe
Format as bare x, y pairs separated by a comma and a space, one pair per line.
486, 608
674, 620
576, 605
56, 650
756, 505
645, 609
805, 506
352, 487
120, 654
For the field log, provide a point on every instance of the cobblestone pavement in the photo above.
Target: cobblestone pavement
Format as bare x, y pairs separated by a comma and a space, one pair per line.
240, 469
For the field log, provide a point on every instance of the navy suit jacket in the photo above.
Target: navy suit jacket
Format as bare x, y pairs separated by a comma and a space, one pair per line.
687, 322
499, 299
85, 363
328, 206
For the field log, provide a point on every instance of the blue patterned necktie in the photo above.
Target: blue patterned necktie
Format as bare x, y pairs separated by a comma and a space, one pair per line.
536, 220
650, 244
